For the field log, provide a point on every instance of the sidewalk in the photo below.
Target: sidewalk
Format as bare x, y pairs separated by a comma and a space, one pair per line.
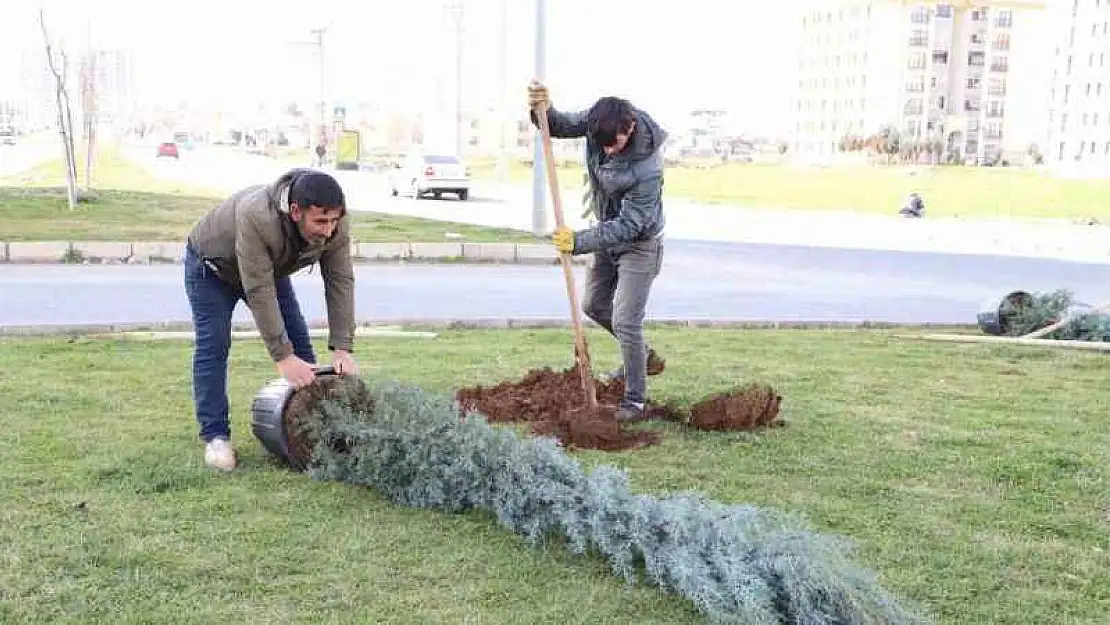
131, 253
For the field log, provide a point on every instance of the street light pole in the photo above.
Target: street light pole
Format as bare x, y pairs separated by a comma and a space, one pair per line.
319, 32
539, 212
503, 117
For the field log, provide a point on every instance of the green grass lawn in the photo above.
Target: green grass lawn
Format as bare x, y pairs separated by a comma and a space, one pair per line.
977, 490
948, 191
132, 205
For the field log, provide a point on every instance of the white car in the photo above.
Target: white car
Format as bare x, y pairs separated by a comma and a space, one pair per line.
437, 174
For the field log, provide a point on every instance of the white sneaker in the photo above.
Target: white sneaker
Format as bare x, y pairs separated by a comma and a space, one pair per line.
218, 454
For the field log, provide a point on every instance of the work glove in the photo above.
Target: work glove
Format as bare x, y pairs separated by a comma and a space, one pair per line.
537, 95
564, 239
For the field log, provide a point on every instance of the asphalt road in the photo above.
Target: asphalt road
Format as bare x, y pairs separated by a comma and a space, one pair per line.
27, 153
511, 206
754, 282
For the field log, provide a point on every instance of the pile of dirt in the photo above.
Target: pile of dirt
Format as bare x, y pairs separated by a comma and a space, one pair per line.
747, 408
555, 405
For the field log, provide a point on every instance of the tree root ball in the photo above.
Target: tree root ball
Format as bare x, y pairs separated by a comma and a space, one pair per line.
303, 404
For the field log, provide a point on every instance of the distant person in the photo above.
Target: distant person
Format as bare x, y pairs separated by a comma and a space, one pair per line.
624, 161
245, 249
914, 207
321, 151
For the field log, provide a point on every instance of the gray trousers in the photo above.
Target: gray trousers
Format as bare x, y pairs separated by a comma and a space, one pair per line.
617, 288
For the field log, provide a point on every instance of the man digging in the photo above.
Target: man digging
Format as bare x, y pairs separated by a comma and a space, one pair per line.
624, 160
245, 249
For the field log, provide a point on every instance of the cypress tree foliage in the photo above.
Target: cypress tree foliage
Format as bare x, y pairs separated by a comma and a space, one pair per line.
735, 563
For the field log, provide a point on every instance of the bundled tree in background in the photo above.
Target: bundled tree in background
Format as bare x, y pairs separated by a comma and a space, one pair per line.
59, 66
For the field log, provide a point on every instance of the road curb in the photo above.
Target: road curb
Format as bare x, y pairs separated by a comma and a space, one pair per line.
416, 324
172, 252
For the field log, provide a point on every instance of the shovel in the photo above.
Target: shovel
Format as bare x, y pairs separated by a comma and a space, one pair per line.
581, 350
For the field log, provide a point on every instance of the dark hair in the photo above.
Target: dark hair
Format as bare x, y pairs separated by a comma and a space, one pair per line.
609, 117
314, 188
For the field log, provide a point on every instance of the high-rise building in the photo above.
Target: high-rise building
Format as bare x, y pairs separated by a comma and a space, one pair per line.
1079, 119
969, 75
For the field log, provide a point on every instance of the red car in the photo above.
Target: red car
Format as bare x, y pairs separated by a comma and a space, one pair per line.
167, 148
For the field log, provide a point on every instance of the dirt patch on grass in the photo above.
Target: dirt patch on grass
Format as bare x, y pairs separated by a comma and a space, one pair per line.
555, 405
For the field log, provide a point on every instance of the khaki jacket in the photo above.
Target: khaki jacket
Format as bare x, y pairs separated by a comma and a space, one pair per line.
249, 240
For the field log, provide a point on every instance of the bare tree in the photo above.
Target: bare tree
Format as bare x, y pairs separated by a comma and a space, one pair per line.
89, 112
65, 115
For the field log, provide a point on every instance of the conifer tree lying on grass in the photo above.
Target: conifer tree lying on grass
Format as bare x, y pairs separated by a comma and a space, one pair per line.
736, 563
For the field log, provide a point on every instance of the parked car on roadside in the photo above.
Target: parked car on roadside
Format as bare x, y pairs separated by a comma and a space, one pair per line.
7, 136
420, 174
168, 148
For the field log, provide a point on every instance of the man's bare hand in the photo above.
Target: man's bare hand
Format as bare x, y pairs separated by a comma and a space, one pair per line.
298, 372
344, 363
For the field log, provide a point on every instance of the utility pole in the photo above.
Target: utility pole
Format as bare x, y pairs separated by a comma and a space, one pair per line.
456, 11
319, 32
539, 212
503, 117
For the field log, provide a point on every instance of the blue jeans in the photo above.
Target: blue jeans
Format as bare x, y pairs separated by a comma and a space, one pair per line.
213, 302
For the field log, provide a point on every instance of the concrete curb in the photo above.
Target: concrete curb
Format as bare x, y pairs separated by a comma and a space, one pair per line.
151, 252
79, 330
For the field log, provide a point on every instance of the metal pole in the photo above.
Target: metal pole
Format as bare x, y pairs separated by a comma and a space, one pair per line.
319, 32
503, 118
539, 214
458, 15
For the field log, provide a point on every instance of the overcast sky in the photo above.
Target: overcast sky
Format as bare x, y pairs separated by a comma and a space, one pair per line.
668, 56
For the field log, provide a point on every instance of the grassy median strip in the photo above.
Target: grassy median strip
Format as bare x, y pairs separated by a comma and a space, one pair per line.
977, 489
130, 204
948, 191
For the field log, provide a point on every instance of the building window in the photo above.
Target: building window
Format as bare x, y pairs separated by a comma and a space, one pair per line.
976, 59
940, 57
919, 39
920, 15
1000, 64
974, 83
1005, 19
1001, 42
917, 60
944, 10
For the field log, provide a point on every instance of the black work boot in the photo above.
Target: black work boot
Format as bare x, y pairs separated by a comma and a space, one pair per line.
655, 366
629, 411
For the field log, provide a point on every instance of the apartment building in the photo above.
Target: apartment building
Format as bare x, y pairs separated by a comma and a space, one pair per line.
968, 74
1079, 120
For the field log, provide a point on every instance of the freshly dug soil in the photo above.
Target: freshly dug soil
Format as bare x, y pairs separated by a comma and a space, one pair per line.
555, 404
746, 408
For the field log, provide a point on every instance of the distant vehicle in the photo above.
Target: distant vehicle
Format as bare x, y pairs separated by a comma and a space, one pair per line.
7, 137
168, 148
437, 174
